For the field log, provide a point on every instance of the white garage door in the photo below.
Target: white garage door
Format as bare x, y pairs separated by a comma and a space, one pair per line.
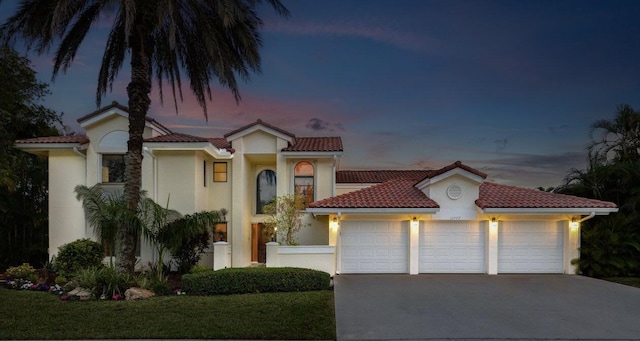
530, 246
374, 247
452, 247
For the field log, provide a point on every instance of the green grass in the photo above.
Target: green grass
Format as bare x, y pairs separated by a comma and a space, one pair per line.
631, 281
293, 315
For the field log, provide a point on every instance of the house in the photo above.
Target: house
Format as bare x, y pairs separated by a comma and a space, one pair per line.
381, 221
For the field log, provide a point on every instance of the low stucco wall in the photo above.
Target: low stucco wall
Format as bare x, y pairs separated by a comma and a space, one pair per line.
317, 257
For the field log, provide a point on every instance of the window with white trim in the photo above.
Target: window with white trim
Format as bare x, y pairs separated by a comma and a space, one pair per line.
113, 168
265, 189
303, 181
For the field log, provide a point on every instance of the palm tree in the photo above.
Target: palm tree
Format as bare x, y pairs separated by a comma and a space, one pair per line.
161, 39
618, 138
105, 214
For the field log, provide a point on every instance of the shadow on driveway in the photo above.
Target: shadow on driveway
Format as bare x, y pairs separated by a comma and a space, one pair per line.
387, 307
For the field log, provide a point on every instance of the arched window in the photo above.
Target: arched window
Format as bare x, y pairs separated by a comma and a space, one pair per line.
303, 181
266, 189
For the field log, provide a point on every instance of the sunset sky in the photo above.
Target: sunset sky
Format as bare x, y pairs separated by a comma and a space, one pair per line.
507, 87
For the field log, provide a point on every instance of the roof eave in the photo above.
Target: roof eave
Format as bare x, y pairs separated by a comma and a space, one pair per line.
218, 153
293, 154
542, 210
370, 210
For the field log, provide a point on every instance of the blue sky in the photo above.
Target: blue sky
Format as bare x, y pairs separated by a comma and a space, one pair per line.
507, 87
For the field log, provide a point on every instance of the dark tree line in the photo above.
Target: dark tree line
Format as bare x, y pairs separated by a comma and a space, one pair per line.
23, 177
610, 244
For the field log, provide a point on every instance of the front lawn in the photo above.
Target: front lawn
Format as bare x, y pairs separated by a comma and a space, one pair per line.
631, 281
292, 315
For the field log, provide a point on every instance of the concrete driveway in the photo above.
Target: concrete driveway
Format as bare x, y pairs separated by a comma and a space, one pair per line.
386, 307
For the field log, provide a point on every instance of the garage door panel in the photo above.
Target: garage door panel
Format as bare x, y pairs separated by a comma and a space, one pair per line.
530, 247
374, 247
451, 247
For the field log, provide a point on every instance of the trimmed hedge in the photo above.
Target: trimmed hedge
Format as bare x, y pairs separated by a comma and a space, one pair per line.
255, 280
76, 255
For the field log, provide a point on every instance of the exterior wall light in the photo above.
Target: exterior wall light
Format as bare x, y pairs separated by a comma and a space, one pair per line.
574, 224
493, 224
334, 224
415, 223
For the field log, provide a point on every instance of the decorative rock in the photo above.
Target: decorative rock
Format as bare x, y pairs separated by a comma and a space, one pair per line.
137, 294
83, 294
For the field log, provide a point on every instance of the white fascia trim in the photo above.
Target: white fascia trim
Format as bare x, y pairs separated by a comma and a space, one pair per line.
597, 211
303, 155
459, 171
203, 146
102, 116
49, 146
260, 127
326, 211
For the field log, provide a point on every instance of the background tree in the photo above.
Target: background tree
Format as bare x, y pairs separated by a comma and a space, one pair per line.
23, 177
284, 213
161, 39
610, 245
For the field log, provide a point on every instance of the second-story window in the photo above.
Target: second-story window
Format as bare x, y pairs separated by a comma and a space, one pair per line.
113, 167
266, 189
303, 181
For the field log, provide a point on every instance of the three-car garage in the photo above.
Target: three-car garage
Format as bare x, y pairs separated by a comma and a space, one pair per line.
450, 247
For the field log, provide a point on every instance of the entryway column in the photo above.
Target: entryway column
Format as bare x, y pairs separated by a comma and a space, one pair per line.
414, 246
571, 245
491, 248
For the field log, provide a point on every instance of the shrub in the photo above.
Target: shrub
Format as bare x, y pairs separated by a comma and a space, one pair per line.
160, 286
110, 283
24, 271
254, 280
61, 280
87, 277
82, 253
187, 254
200, 268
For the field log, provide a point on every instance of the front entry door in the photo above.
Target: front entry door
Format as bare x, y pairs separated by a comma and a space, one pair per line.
260, 236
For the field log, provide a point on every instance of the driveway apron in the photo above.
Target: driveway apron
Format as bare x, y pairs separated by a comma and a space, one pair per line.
542, 307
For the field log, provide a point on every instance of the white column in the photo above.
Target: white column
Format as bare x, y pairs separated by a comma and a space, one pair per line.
272, 255
414, 246
221, 255
571, 245
491, 247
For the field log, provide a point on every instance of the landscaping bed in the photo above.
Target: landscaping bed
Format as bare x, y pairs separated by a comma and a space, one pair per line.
630, 281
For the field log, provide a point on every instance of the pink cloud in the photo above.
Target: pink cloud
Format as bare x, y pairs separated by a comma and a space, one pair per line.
224, 114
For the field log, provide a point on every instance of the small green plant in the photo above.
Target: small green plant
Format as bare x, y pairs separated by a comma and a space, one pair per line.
112, 284
79, 254
285, 213
199, 268
61, 280
143, 281
87, 278
160, 286
24, 271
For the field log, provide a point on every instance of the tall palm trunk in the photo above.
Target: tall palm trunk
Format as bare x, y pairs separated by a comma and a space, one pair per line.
138, 91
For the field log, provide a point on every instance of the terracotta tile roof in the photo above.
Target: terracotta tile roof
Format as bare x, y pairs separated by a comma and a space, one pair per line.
117, 105
259, 122
113, 104
176, 138
221, 143
315, 144
502, 196
378, 176
455, 165
397, 193
80, 139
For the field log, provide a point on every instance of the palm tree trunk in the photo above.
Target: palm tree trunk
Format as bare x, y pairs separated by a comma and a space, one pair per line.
138, 91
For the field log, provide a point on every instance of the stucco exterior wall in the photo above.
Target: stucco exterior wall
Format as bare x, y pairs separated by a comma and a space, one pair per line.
463, 208
177, 175
66, 215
